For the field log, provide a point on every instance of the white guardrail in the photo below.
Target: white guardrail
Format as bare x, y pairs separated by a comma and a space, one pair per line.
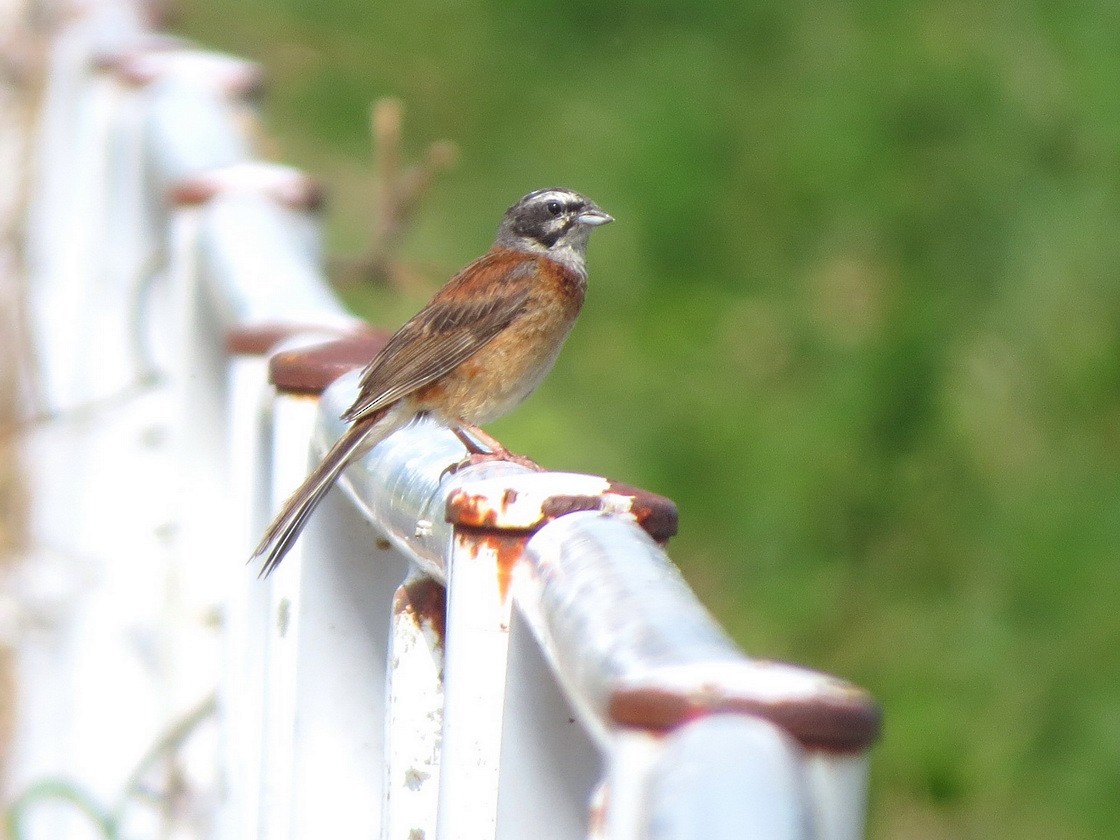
494, 653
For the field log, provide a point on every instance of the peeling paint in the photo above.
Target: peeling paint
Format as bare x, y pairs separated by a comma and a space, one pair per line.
509, 508
414, 779
471, 510
426, 600
283, 616
555, 506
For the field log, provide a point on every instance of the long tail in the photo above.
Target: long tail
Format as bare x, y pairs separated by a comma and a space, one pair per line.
290, 521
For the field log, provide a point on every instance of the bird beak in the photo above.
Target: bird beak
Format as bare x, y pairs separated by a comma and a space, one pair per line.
594, 217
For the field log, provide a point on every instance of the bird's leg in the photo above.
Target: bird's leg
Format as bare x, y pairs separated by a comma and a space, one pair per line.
472, 435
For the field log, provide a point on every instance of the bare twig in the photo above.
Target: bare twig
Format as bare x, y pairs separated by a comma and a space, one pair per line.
399, 192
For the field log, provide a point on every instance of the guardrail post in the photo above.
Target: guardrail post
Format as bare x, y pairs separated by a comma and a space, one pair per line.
246, 614
758, 790
293, 424
414, 714
223, 412
69, 298
478, 620
329, 628
493, 520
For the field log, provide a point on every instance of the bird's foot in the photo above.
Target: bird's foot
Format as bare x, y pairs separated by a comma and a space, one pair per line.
476, 455
501, 455
489, 457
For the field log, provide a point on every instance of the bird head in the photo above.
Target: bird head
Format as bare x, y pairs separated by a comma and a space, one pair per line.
555, 222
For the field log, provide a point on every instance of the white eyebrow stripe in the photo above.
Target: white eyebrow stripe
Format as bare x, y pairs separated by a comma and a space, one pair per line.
563, 196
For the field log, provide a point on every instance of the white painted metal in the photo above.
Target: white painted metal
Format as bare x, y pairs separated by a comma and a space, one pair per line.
292, 422
103, 612
478, 619
622, 799
549, 762
726, 777
245, 613
347, 587
401, 485
77, 172
414, 714
91, 673
837, 790
348, 704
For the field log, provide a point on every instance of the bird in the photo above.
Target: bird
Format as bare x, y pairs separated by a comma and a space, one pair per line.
480, 346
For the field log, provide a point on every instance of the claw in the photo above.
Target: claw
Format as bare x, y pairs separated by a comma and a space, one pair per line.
501, 454
504, 455
475, 455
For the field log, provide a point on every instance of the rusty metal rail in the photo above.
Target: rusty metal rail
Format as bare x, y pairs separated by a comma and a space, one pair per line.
493, 653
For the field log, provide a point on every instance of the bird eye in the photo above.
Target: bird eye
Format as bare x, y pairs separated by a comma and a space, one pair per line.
554, 207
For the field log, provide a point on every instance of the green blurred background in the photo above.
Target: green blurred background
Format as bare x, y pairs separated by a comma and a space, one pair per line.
859, 317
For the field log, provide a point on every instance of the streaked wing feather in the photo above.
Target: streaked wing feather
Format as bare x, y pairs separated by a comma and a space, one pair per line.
441, 336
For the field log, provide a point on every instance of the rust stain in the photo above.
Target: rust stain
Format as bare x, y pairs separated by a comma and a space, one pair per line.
310, 370
647, 708
506, 547
508, 551
829, 724
256, 339
242, 80
833, 724
297, 191
145, 44
303, 193
471, 511
426, 600
657, 515
557, 506
191, 192
597, 812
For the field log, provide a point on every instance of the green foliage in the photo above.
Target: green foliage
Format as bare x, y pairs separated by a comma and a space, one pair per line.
859, 316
